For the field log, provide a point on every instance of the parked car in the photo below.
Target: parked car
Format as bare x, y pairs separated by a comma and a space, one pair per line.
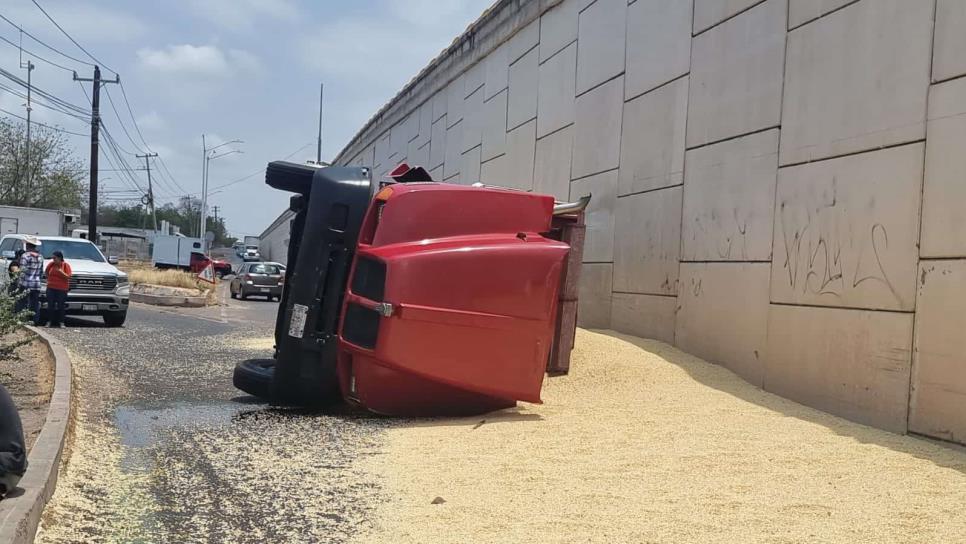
96, 287
261, 279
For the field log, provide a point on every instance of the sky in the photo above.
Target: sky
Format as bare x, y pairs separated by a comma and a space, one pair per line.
230, 69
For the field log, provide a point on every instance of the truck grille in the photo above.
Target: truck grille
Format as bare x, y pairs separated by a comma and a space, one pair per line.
361, 326
91, 282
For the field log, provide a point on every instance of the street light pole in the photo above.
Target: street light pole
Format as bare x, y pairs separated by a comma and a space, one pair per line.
209, 155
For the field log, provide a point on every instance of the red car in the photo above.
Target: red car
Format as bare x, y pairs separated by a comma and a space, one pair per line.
426, 299
200, 261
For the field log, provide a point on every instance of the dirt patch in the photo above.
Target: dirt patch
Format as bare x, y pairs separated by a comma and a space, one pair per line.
29, 376
644, 443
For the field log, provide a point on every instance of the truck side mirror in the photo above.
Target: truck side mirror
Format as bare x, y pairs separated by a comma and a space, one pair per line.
112, 259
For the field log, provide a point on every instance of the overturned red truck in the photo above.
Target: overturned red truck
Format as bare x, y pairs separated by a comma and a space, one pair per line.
417, 298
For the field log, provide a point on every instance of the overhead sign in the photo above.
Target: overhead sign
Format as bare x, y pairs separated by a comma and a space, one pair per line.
207, 273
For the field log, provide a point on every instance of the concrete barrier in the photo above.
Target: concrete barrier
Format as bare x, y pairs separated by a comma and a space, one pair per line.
20, 516
168, 299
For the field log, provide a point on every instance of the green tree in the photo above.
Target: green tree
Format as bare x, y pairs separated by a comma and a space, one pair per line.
56, 177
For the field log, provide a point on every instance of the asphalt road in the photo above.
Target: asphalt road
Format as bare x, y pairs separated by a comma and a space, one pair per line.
166, 450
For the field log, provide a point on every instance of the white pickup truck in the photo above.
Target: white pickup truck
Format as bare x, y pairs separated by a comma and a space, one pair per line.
97, 287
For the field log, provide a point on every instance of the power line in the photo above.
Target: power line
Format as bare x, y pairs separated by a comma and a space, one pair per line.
43, 43
38, 123
36, 56
255, 173
120, 121
69, 37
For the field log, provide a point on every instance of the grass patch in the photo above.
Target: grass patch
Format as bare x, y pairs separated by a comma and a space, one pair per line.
167, 278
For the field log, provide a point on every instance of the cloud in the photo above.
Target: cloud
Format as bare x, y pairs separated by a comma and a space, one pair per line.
198, 60
151, 121
242, 15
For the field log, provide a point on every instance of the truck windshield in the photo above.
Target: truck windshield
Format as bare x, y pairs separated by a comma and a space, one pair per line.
79, 250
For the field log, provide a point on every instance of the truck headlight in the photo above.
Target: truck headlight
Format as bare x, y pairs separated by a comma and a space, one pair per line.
250, 282
122, 280
124, 290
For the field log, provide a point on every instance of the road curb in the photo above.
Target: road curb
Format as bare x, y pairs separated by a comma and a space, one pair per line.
170, 300
20, 516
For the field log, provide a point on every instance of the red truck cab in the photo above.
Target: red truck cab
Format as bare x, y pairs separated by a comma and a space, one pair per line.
432, 299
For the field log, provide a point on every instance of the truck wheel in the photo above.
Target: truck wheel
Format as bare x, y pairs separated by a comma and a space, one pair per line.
254, 376
115, 319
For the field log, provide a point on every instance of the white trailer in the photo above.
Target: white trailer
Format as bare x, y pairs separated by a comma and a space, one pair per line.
36, 221
174, 251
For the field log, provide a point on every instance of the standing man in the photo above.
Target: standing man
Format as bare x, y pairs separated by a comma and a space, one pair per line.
31, 269
58, 283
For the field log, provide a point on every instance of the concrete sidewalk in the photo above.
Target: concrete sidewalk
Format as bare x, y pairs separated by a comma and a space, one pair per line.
644, 443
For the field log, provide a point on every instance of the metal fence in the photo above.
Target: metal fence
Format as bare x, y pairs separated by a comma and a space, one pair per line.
134, 249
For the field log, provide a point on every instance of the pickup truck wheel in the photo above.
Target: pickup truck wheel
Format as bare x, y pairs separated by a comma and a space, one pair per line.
254, 376
115, 319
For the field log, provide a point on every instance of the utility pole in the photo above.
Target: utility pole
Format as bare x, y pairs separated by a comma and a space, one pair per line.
147, 166
29, 66
95, 126
215, 210
318, 149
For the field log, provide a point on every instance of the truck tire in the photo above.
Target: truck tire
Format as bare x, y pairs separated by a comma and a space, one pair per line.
254, 376
115, 319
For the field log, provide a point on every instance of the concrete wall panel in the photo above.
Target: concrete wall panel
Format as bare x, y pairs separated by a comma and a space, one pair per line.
652, 144
454, 137
600, 33
852, 363
708, 13
555, 102
729, 198
594, 296
425, 129
647, 316
648, 242
939, 369
439, 102
597, 130
494, 126
599, 242
454, 101
847, 231
803, 11
522, 100
472, 120
944, 188
948, 58
474, 78
496, 71
381, 154
470, 166
707, 324
520, 149
418, 155
736, 75
523, 41
551, 171
437, 145
658, 44
558, 28
856, 80
494, 171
